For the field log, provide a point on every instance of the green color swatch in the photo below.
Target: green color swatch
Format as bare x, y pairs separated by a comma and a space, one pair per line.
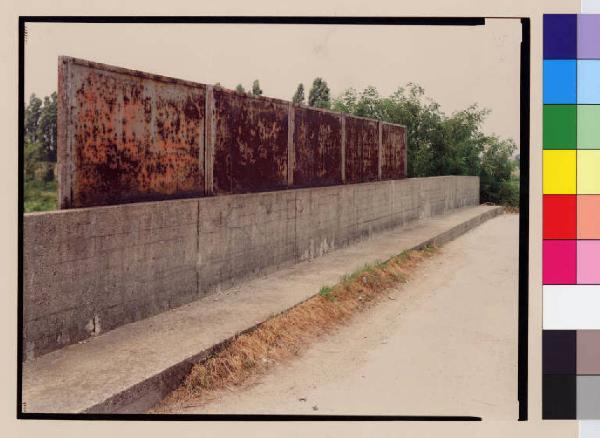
588, 127
560, 126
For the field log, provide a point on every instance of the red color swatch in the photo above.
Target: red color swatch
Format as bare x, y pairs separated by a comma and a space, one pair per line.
560, 216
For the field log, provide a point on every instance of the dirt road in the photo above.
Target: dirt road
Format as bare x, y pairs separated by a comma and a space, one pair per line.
443, 344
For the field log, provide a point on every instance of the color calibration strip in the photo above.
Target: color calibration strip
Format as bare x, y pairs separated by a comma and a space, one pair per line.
571, 223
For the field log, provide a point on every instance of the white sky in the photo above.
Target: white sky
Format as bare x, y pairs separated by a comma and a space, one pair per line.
457, 66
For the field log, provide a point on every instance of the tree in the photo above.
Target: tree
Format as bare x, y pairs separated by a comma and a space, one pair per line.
31, 158
299, 95
240, 88
346, 102
256, 91
369, 104
318, 96
47, 127
439, 144
32, 117
496, 176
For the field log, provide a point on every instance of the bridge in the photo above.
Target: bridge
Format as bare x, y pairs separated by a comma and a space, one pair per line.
191, 213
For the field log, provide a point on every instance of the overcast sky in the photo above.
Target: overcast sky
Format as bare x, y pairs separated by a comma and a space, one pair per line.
457, 66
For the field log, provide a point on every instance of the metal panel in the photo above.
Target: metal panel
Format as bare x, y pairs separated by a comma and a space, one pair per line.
393, 149
362, 144
128, 136
251, 143
318, 148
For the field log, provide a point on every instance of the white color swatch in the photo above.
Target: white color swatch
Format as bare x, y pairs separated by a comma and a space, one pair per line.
571, 307
590, 6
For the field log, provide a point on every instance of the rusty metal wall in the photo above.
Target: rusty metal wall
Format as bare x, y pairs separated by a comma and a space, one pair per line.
317, 147
393, 150
127, 136
251, 143
362, 149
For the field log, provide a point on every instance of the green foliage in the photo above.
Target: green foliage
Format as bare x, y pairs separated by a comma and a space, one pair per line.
325, 292
32, 117
47, 127
40, 154
240, 88
40, 125
40, 195
318, 95
499, 185
299, 95
440, 144
256, 91
32, 157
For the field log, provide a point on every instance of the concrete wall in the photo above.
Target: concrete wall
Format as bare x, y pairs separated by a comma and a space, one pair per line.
93, 269
128, 136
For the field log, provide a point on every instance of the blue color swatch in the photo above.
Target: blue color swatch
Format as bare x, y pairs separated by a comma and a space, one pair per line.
560, 36
560, 81
588, 81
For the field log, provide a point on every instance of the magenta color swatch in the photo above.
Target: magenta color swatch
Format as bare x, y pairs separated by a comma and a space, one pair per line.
588, 37
560, 262
588, 262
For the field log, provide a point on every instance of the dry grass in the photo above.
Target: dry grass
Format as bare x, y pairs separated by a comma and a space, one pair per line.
288, 333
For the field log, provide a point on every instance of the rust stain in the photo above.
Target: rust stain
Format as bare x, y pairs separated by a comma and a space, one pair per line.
392, 152
318, 148
134, 138
362, 145
250, 151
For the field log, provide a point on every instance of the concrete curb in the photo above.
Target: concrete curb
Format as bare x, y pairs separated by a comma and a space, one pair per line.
461, 229
146, 394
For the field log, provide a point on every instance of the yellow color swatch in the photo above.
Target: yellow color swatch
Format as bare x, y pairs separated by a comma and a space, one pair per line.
588, 172
560, 172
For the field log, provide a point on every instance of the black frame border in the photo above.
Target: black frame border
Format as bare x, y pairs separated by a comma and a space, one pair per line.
523, 299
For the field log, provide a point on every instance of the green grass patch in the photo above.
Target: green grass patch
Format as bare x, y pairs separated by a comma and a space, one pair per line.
325, 292
40, 196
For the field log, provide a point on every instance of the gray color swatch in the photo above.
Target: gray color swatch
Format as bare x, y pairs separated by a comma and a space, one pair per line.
588, 397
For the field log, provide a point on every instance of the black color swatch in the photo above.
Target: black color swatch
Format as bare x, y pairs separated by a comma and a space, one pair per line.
559, 397
559, 351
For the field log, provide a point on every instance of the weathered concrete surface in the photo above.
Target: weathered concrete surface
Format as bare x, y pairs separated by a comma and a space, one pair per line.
421, 352
131, 368
91, 270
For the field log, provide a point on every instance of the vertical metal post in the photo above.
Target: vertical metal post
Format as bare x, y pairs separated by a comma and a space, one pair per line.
405, 154
291, 148
209, 145
343, 160
379, 148
64, 138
